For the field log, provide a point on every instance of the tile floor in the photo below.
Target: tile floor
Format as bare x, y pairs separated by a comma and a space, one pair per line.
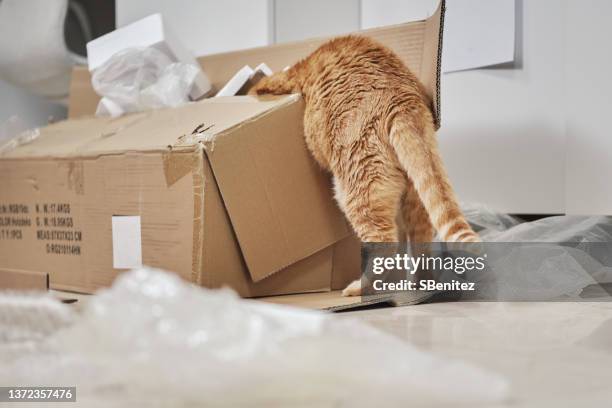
554, 354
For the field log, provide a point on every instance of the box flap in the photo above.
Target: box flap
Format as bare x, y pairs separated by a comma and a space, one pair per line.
334, 301
278, 200
418, 44
143, 132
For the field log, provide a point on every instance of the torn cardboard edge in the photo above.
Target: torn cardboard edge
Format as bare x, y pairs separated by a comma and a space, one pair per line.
418, 43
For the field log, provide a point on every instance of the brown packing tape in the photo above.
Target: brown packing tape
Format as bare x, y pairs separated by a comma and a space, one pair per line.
199, 189
76, 177
14, 279
178, 164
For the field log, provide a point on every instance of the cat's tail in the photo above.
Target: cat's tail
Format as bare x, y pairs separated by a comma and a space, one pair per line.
418, 154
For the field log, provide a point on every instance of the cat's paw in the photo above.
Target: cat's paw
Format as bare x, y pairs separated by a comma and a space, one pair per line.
353, 289
471, 243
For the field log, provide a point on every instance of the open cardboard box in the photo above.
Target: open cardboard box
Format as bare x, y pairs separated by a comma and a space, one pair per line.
418, 43
223, 191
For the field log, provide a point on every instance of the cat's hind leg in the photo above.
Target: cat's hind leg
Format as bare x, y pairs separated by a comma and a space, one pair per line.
417, 151
370, 198
415, 218
371, 204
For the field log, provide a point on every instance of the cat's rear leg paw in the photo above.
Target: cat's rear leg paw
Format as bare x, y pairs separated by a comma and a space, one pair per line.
353, 289
469, 242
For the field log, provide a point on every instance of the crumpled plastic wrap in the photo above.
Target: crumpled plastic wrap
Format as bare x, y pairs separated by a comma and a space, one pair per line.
31, 317
485, 220
14, 133
139, 79
154, 340
579, 255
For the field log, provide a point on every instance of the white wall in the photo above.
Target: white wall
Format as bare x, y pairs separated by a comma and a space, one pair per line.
299, 19
207, 26
503, 130
588, 62
503, 134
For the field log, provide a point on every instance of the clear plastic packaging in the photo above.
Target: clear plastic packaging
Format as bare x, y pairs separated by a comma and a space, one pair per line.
579, 256
139, 79
14, 133
31, 317
154, 340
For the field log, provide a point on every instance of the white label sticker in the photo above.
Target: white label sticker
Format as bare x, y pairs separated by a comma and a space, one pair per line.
127, 242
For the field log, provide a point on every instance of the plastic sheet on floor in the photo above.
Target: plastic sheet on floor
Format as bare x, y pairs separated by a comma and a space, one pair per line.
154, 340
553, 258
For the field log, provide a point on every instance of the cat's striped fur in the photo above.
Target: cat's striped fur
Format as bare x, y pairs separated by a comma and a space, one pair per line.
368, 121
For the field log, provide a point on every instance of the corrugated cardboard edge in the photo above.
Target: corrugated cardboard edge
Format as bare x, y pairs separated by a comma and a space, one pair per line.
438, 107
15, 279
434, 30
334, 301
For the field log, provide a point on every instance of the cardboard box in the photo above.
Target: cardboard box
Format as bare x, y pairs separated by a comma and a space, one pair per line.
222, 191
23, 280
419, 44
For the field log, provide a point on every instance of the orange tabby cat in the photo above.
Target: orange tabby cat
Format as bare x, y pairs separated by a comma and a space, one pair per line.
368, 121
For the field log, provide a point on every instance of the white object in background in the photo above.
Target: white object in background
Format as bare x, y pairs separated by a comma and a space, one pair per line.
127, 242
141, 79
206, 26
33, 51
477, 33
153, 32
244, 75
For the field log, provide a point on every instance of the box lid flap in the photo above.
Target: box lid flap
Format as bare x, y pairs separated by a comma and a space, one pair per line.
147, 131
278, 200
